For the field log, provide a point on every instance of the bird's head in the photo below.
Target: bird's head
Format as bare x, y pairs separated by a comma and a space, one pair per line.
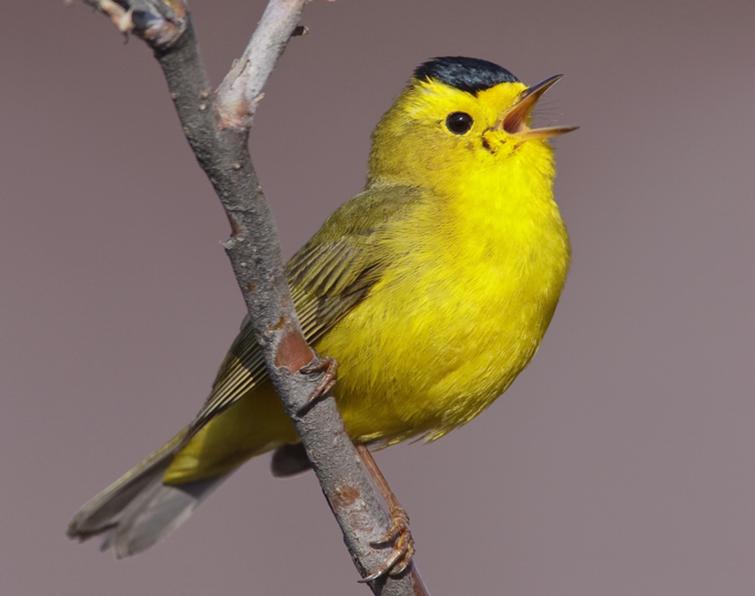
461, 117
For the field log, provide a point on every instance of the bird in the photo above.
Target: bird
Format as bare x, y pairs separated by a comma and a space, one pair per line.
432, 288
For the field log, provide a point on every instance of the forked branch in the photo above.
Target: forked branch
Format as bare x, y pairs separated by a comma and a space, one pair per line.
216, 124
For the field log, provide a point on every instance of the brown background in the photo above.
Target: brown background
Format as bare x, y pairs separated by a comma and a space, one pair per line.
620, 463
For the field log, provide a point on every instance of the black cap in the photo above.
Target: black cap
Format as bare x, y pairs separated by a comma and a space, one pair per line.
467, 74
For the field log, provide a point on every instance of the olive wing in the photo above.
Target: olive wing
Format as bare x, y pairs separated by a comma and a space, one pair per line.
327, 277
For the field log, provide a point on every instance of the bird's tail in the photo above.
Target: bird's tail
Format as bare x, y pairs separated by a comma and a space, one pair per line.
137, 510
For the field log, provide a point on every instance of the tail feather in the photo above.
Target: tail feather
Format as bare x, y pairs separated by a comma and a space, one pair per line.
154, 514
137, 510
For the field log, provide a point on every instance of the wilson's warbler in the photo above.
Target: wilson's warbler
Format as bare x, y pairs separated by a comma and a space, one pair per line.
432, 288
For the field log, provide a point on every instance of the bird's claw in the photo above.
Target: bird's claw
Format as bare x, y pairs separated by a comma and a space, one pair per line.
327, 368
399, 537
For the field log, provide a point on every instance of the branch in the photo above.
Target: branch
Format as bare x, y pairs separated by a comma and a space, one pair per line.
241, 90
216, 126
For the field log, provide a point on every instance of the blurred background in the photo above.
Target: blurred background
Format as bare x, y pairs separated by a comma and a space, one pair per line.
620, 462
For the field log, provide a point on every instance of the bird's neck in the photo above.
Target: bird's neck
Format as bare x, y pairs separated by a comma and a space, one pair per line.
505, 209
500, 211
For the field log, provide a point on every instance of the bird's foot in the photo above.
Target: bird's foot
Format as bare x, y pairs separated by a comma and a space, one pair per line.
399, 538
327, 368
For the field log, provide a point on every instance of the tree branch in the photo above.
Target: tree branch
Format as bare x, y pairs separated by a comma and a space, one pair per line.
241, 90
216, 126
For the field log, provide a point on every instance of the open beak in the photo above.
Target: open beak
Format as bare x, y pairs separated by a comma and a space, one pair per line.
515, 120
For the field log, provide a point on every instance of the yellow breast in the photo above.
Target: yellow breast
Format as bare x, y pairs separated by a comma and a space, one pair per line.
459, 313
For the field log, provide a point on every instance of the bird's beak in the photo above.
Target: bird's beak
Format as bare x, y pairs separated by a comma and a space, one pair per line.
515, 119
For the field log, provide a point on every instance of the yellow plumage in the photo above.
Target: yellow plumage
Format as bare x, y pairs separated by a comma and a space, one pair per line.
432, 288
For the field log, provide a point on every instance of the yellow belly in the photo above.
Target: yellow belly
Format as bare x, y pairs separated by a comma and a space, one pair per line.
440, 336
421, 358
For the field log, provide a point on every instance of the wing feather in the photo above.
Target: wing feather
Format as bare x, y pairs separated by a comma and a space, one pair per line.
328, 277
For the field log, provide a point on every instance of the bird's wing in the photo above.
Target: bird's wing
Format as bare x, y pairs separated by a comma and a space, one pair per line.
329, 275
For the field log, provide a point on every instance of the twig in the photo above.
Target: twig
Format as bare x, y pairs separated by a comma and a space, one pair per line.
241, 89
217, 128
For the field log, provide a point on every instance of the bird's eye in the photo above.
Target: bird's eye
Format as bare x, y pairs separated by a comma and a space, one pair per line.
459, 122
